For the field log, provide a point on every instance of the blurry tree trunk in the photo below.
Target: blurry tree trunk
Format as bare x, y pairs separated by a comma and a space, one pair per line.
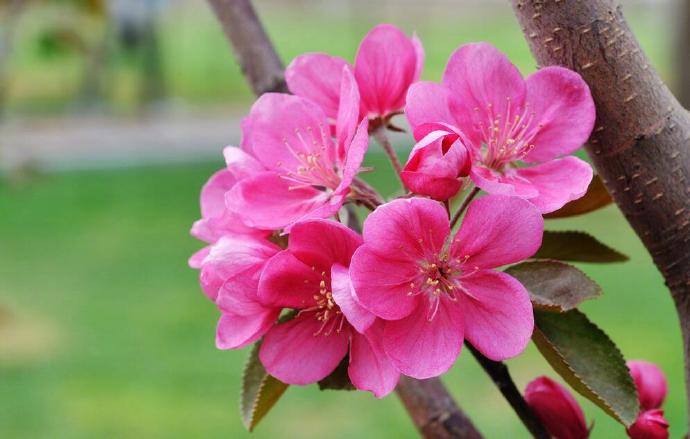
641, 141
432, 409
10, 10
682, 58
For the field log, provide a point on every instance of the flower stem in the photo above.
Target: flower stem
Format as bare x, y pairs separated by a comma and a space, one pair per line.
500, 375
379, 134
463, 206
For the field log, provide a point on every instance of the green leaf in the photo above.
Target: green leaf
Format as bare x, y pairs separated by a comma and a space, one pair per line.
553, 285
260, 391
588, 360
339, 378
596, 197
576, 247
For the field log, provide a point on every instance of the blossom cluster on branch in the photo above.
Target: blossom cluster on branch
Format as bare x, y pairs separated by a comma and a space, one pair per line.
403, 296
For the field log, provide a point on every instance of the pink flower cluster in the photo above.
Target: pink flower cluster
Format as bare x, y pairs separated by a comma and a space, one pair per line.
405, 295
563, 417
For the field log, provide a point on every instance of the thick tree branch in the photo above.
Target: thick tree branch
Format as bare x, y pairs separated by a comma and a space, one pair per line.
432, 408
641, 141
255, 53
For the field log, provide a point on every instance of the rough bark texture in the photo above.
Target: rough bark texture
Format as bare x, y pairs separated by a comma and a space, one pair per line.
641, 141
255, 53
433, 410
431, 407
682, 58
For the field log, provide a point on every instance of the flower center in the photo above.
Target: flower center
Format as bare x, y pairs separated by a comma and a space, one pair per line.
315, 156
438, 279
506, 135
325, 310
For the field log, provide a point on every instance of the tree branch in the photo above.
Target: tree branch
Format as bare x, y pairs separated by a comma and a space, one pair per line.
641, 142
500, 375
431, 407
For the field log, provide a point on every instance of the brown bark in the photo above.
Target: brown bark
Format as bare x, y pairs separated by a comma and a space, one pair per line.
682, 58
432, 409
255, 53
641, 141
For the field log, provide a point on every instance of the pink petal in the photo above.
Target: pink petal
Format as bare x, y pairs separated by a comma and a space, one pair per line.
427, 102
382, 283
292, 353
436, 163
650, 424
195, 261
239, 163
558, 411
348, 111
370, 368
355, 152
557, 182
483, 83
508, 183
650, 382
344, 297
322, 243
282, 126
407, 229
498, 230
213, 193
419, 51
287, 282
385, 66
268, 201
316, 76
236, 332
421, 348
498, 314
563, 105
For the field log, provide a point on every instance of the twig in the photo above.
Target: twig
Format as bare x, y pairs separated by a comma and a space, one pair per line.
432, 409
379, 134
463, 206
500, 375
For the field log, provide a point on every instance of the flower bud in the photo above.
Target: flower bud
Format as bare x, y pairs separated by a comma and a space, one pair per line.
650, 382
558, 411
649, 425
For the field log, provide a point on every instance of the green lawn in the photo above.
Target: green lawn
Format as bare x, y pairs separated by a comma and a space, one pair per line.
109, 335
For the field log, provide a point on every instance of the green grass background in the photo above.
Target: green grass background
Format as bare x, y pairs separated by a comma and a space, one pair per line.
109, 334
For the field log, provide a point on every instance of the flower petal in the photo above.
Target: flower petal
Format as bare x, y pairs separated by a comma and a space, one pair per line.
407, 229
483, 84
564, 108
322, 243
236, 332
557, 181
287, 282
382, 284
239, 163
292, 353
421, 348
354, 157
344, 297
268, 201
385, 66
498, 230
427, 102
316, 76
498, 314
348, 111
560, 413
282, 126
650, 382
370, 368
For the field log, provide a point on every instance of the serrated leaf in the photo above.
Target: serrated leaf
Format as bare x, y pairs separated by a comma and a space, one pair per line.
339, 378
596, 197
588, 360
260, 391
576, 246
553, 285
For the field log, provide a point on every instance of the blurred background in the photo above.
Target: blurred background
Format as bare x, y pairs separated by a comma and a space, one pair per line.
113, 113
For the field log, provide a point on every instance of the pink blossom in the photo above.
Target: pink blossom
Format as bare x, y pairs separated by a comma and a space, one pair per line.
306, 173
506, 119
312, 276
650, 424
229, 276
650, 382
387, 63
437, 165
433, 291
556, 408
